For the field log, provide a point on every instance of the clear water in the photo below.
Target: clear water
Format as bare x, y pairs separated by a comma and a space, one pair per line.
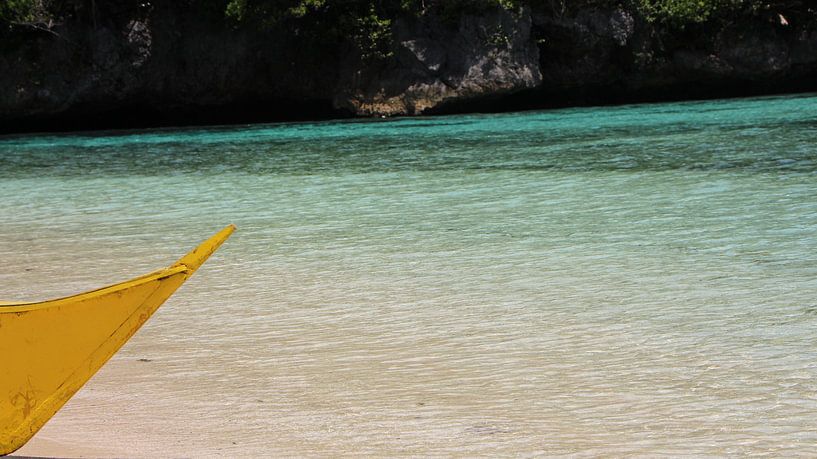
635, 280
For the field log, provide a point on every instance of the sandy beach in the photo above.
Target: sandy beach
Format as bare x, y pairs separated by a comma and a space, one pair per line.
44, 447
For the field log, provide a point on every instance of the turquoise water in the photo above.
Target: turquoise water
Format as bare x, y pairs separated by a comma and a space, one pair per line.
594, 281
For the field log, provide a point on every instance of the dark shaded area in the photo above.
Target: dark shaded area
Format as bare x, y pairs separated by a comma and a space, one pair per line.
252, 112
539, 99
138, 116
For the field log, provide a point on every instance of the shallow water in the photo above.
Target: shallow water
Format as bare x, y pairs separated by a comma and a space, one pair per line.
633, 280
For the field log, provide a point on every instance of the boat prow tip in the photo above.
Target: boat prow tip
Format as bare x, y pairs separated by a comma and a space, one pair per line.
196, 257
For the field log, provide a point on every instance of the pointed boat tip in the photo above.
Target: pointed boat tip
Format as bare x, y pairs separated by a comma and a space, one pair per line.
224, 233
196, 257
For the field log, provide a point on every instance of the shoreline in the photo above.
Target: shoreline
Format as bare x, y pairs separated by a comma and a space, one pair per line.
216, 117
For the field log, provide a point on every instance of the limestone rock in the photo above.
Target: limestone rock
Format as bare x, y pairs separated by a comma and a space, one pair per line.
437, 63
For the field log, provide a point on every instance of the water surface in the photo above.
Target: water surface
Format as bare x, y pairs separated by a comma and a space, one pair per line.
596, 281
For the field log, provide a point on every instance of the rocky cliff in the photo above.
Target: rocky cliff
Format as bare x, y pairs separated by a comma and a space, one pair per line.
611, 55
436, 63
162, 65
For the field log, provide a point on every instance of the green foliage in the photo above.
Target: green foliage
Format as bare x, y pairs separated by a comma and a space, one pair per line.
236, 10
499, 37
273, 11
680, 12
510, 5
372, 35
454, 9
366, 24
23, 11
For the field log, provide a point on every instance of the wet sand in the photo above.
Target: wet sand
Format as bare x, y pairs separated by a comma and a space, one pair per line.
43, 446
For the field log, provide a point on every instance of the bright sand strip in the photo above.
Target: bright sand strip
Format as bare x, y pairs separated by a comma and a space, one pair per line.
45, 446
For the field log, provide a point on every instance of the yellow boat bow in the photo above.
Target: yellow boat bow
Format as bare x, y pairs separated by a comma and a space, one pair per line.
49, 349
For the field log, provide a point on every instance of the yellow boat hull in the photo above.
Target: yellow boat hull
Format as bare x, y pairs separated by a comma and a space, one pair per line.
50, 349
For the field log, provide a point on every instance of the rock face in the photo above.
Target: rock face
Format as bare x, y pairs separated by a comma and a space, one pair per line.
614, 55
436, 63
157, 67
164, 65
